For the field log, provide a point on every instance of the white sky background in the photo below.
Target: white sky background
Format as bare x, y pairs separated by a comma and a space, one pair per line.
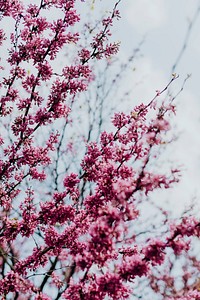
164, 25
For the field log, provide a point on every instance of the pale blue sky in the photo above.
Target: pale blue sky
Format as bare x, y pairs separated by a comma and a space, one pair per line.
165, 25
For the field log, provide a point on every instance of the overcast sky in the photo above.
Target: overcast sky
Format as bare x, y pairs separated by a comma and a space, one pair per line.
165, 24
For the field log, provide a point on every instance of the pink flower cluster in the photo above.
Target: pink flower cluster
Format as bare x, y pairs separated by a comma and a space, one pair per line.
77, 237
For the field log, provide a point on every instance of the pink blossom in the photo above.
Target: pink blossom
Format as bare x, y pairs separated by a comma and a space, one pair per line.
71, 227
154, 252
133, 266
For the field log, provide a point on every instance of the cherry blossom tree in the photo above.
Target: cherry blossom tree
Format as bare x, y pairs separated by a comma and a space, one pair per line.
67, 234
